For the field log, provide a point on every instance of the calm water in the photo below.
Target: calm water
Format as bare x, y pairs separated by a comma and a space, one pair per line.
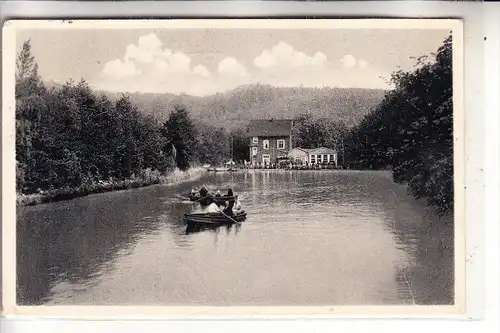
316, 238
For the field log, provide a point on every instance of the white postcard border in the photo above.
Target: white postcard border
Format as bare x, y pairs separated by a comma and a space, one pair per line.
461, 210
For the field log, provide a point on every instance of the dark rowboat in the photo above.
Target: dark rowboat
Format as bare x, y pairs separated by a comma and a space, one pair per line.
215, 218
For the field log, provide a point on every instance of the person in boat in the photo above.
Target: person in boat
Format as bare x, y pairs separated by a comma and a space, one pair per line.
203, 191
218, 194
237, 206
212, 208
194, 192
228, 210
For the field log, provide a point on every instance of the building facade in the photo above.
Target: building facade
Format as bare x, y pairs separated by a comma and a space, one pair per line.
269, 140
321, 155
299, 156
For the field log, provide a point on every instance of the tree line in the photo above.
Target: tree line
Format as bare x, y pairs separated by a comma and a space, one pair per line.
411, 131
69, 135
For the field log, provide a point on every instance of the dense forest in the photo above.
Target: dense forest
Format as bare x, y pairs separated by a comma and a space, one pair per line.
72, 138
411, 130
237, 107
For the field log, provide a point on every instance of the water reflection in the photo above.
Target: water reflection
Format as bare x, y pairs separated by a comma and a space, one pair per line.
193, 228
78, 240
343, 237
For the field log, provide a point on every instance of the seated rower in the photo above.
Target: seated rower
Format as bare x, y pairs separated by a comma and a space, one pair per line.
193, 191
230, 203
217, 194
229, 208
203, 191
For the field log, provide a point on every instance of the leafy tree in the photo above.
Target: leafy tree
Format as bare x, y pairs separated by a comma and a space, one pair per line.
179, 131
412, 130
314, 132
28, 81
241, 145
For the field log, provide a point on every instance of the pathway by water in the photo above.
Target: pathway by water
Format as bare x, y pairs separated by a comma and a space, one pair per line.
311, 238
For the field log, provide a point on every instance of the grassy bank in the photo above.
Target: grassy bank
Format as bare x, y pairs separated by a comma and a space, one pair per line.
147, 178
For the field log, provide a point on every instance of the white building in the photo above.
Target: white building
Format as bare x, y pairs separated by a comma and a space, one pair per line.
321, 155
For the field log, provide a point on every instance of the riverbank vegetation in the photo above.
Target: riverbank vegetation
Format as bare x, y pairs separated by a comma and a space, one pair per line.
73, 141
411, 130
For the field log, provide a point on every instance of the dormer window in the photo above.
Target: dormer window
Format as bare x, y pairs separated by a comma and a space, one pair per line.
265, 144
281, 144
255, 139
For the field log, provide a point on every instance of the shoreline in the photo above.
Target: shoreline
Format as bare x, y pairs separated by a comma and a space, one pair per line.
65, 194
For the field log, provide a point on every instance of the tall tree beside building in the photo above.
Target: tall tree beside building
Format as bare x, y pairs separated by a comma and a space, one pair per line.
241, 145
180, 131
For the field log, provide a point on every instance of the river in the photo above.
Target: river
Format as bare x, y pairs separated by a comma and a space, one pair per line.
310, 238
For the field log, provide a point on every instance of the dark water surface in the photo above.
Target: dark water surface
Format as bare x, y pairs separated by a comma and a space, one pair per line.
311, 238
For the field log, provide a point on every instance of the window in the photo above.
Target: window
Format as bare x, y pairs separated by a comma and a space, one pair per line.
265, 144
325, 158
281, 144
255, 139
313, 159
332, 158
266, 159
254, 151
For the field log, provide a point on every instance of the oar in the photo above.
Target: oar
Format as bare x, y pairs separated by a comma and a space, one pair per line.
229, 217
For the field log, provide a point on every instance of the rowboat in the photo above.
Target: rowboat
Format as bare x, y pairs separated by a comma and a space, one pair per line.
192, 228
218, 169
215, 218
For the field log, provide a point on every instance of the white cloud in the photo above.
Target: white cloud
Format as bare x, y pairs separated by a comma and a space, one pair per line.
120, 69
362, 63
161, 66
179, 62
348, 61
283, 56
231, 67
150, 42
201, 71
282, 65
149, 66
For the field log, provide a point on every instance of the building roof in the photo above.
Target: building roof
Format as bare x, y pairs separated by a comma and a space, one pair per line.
322, 150
319, 150
270, 127
304, 150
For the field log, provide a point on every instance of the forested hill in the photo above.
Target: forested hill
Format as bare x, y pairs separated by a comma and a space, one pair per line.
248, 102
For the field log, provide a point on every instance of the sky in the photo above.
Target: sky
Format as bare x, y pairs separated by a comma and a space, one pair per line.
206, 61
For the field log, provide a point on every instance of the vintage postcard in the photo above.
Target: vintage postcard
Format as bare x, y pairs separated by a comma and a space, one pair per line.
233, 168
